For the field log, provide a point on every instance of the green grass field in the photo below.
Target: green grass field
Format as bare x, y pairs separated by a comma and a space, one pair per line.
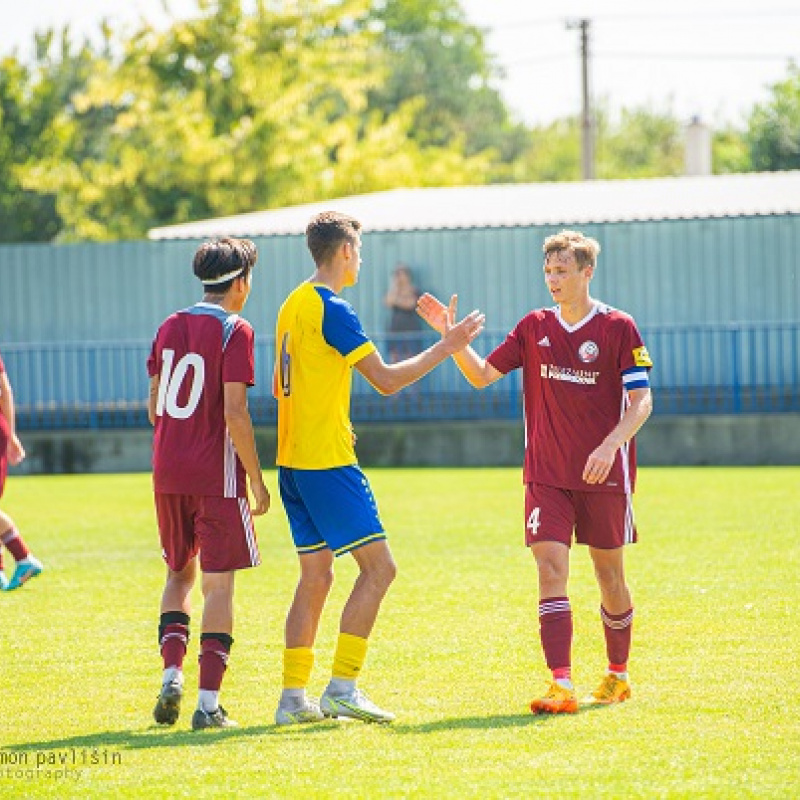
455, 654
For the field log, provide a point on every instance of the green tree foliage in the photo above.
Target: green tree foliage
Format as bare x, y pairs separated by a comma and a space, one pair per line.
639, 143
642, 143
31, 96
433, 54
255, 104
230, 112
553, 153
730, 152
773, 134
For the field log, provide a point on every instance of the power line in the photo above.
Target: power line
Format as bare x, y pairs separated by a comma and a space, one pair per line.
727, 16
650, 56
719, 19
702, 56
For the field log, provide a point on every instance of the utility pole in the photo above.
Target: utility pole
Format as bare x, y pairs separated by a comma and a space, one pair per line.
587, 121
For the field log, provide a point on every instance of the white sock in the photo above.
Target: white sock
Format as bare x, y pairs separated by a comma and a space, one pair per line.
293, 698
208, 701
171, 674
341, 686
623, 676
565, 682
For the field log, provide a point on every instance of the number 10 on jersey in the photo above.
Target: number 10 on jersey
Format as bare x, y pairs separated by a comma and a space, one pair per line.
171, 380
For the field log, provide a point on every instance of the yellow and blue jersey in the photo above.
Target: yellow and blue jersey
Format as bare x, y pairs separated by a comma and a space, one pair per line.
318, 339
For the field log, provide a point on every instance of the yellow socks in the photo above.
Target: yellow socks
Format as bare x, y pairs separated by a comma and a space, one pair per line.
351, 651
297, 664
349, 658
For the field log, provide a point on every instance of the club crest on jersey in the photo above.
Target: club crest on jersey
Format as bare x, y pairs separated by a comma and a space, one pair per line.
588, 352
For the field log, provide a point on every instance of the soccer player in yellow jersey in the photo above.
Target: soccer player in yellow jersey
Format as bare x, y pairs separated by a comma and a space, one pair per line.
328, 501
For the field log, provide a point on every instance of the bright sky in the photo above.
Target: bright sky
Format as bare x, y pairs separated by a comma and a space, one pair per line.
711, 58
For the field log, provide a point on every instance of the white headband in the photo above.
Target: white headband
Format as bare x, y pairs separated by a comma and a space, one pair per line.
223, 278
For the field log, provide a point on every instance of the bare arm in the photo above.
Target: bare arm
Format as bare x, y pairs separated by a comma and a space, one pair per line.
600, 461
15, 450
391, 378
478, 372
240, 427
152, 399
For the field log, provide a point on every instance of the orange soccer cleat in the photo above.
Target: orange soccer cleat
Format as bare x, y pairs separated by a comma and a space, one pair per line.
558, 700
611, 690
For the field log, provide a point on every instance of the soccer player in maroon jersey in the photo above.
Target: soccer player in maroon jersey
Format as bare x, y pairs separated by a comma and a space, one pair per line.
586, 394
200, 366
12, 452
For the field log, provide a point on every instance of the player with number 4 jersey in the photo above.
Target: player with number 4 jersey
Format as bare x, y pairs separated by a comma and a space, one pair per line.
586, 393
200, 366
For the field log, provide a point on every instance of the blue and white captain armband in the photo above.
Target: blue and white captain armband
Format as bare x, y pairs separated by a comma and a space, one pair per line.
636, 378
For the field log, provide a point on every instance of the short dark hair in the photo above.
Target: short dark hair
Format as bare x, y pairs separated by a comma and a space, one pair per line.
326, 232
220, 257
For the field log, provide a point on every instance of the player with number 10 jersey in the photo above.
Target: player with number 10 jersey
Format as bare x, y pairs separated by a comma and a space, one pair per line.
196, 352
204, 451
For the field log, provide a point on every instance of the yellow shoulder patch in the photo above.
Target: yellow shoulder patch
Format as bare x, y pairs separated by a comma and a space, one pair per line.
641, 357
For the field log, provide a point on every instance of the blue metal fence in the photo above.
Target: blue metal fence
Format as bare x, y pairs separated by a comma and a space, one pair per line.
699, 369
731, 369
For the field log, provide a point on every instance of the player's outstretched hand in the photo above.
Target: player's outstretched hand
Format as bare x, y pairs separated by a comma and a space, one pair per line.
261, 498
433, 311
457, 335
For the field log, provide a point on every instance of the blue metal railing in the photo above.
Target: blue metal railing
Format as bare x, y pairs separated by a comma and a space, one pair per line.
699, 369
731, 369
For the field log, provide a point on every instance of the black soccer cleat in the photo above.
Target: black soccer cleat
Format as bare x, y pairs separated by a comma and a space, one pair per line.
212, 719
168, 706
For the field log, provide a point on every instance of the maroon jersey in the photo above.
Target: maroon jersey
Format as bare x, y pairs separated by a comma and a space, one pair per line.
195, 353
575, 380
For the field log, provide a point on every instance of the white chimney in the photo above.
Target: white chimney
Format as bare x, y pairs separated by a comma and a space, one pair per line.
698, 148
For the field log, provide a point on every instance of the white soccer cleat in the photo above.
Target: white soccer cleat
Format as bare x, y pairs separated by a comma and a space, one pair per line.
308, 712
355, 705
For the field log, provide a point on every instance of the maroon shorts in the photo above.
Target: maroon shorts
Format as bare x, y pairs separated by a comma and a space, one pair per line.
599, 519
219, 528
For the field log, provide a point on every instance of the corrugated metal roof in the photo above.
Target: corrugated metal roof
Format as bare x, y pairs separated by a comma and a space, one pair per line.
520, 205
